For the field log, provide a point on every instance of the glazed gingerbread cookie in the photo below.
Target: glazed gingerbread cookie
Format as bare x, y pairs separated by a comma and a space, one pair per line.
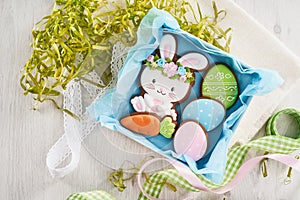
220, 83
164, 82
199, 130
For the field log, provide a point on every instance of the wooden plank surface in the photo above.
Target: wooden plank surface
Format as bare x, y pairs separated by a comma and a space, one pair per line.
27, 135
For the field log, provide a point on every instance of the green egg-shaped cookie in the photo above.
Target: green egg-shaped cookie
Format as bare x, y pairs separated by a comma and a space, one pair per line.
220, 83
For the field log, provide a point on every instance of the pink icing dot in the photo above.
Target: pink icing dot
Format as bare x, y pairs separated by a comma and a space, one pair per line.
139, 106
182, 78
150, 58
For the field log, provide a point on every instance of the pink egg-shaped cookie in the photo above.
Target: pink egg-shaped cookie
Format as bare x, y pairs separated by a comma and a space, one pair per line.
191, 140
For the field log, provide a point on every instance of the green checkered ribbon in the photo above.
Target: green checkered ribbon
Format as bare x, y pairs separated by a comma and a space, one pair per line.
271, 128
93, 195
272, 143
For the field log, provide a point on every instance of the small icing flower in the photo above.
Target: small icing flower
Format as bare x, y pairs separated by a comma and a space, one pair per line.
153, 64
220, 76
189, 74
182, 78
181, 71
170, 69
161, 62
150, 58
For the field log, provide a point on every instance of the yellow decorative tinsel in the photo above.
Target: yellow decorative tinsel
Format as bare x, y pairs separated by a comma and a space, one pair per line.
79, 35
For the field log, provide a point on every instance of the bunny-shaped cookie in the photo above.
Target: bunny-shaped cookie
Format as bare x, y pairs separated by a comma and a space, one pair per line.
166, 81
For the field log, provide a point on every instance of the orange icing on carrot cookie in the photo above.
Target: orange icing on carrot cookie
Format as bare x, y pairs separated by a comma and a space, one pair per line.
141, 120
146, 124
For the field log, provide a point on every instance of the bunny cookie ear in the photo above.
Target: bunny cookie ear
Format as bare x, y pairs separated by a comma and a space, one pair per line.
194, 61
167, 47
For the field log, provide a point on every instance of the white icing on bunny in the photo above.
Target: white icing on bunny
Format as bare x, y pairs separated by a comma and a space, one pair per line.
161, 92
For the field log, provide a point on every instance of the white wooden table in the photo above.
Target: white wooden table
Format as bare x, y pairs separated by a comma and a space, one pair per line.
27, 135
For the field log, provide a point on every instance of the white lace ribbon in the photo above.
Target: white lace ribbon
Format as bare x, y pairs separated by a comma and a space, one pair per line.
75, 131
69, 143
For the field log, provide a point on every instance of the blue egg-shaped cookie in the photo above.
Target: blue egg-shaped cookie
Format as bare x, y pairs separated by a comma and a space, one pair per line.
208, 112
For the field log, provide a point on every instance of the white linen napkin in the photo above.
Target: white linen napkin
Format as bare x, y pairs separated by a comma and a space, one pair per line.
254, 45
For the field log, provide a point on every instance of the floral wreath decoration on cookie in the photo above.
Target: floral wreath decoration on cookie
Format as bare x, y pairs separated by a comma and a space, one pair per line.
169, 68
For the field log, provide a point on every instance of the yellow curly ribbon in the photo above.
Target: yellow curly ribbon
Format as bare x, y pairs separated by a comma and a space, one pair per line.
78, 36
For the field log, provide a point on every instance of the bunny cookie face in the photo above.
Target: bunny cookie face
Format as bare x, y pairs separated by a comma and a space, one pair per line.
162, 88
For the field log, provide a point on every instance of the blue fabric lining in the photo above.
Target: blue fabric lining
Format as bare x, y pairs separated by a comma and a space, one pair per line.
116, 103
